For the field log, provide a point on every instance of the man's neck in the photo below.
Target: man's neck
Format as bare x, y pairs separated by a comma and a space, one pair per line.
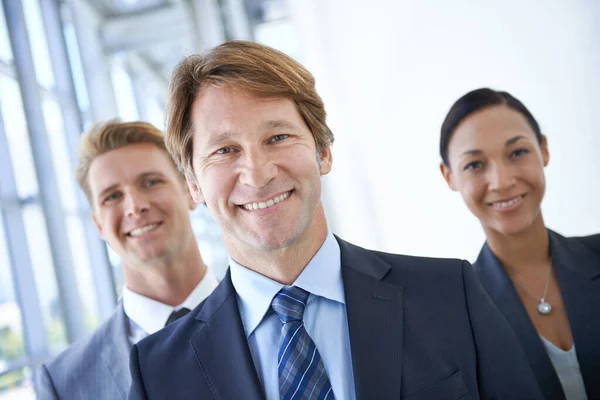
169, 281
286, 264
529, 249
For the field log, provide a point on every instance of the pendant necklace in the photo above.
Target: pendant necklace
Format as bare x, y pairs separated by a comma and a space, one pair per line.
544, 307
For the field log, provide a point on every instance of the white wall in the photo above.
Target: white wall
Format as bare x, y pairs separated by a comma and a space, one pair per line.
390, 70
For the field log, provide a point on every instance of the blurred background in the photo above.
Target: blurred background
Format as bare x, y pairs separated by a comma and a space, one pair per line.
388, 71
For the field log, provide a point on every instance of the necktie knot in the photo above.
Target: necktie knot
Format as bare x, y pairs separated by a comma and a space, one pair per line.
289, 303
175, 315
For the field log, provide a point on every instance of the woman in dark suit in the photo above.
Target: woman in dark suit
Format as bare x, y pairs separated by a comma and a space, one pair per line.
546, 285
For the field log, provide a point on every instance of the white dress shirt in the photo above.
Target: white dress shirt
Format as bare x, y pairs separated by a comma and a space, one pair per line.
325, 319
147, 316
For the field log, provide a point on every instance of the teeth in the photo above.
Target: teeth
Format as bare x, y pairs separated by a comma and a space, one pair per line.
266, 204
142, 230
504, 204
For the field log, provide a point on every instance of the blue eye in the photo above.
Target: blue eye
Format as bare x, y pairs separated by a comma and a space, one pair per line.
279, 138
112, 196
152, 182
519, 152
473, 165
224, 150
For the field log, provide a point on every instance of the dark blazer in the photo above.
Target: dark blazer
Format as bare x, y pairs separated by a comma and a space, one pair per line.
93, 368
577, 266
419, 329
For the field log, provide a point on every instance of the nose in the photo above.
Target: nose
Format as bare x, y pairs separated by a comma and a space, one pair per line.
500, 177
136, 203
258, 168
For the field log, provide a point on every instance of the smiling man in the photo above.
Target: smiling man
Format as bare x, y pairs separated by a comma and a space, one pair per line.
302, 314
140, 205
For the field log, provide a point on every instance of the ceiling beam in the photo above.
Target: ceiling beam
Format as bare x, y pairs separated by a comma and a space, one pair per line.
135, 32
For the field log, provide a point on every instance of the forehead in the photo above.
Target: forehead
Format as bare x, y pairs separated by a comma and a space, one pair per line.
125, 164
217, 109
490, 128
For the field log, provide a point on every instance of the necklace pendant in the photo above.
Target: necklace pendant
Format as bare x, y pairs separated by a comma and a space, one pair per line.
544, 307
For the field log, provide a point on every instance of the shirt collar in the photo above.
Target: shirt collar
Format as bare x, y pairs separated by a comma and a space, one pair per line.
322, 277
151, 315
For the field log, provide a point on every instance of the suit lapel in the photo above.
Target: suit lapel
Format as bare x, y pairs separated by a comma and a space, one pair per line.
115, 352
578, 272
375, 311
222, 349
498, 285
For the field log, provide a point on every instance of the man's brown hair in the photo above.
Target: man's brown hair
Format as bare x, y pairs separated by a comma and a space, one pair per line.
111, 135
251, 66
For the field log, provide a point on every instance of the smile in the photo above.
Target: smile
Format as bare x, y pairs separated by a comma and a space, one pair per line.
144, 229
266, 204
507, 204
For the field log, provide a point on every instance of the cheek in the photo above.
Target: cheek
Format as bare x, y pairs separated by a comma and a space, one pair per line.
171, 203
110, 224
216, 183
538, 181
536, 175
302, 163
472, 191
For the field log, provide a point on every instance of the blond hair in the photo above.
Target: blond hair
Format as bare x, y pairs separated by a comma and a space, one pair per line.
111, 135
251, 66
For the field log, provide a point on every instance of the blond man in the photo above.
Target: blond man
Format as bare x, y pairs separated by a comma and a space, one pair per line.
140, 206
303, 314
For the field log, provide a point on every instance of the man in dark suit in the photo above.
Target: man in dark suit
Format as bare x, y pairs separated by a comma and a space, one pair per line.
140, 205
302, 314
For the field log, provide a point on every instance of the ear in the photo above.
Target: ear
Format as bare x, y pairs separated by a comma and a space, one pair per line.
194, 189
326, 161
447, 174
188, 195
98, 226
190, 199
545, 151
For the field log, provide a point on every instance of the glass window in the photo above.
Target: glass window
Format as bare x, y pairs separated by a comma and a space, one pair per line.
38, 42
17, 384
124, 94
17, 137
117, 269
12, 345
60, 155
5, 50
45, 278
155, 112
66, 185
210, 241
83, 271
76, 68
6, 280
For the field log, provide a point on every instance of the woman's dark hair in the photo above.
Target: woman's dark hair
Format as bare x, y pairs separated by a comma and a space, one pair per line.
477, 100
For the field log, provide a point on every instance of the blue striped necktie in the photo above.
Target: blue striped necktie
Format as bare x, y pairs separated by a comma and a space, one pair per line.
302, 375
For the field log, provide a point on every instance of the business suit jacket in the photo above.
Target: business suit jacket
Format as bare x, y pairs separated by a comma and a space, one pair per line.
576, 264
93, 368
419, 329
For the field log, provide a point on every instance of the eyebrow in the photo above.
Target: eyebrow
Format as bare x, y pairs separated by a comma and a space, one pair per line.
471, 153
279, 124
219, 138
509, 142
513, 140
107, 190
